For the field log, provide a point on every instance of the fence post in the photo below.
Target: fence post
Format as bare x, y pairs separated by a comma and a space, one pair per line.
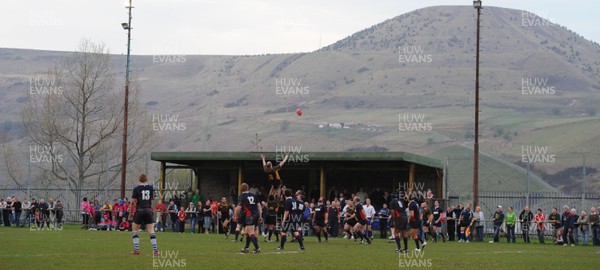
29, 178
527, 179
584, 183
446, 197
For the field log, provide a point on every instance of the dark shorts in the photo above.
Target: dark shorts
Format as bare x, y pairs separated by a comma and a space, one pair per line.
351, 222
320, 223
415, 224
251, 220
437, 224
362, 222
464, 224
271, 220
401, 223
143, 216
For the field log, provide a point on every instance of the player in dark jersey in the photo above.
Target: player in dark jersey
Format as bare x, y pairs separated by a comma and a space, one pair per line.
438, 219
400, 218
361, 217
465, 221
251, 212
320, 219
414, 221
292, 220
223, 210
272, 204
427, 219
141, 209
349, 220
273, 173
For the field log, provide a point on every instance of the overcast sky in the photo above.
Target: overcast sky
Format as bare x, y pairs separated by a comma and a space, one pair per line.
235, 26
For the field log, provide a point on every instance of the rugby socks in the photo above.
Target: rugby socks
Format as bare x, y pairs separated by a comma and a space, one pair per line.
283, 239
247, 242
326, 237
300, 239
254, 240
417, 243
270, 233
405, 240
463, 236
397, 239
153, 241
136, 241
319, 236
237, 235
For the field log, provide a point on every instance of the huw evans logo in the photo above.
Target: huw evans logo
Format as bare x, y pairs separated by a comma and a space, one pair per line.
413, 54
168, 259
44, 154
537, 154
43, 85
159, 57
290, 86
536, 86
294, 154
415, 190
167, 122
414, 259
413, 123
530, 19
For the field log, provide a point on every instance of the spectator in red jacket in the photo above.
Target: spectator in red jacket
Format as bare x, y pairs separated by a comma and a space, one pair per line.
161, 214
181, 219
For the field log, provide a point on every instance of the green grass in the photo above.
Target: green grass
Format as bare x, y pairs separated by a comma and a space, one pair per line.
73, 248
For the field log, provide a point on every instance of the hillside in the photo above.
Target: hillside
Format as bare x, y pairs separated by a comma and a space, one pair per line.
417, 64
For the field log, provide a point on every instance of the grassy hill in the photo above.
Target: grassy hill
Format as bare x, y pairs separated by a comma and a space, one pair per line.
367, 82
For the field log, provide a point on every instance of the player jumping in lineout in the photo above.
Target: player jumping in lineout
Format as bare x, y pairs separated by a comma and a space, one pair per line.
141, 210
273, 173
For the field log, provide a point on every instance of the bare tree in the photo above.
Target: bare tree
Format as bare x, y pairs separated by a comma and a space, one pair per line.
78, 126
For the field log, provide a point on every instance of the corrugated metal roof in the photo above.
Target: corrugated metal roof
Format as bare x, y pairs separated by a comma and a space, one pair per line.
186, 157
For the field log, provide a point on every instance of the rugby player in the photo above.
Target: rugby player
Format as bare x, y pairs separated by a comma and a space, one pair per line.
141, 211
224, 217
273, 172
415, 223
320, 219
464, 222
272, 204
292, 219
349, 220
400, 221
251, 212
361, 217
438, 218
427, 219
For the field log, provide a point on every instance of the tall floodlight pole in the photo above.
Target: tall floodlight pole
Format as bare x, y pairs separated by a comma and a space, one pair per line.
477, 5
126, 26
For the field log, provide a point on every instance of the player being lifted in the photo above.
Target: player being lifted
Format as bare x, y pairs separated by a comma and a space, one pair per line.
321, 216
141, 211
273, 173
292, 219
251, 213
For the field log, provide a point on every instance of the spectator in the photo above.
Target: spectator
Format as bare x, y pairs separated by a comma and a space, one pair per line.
576, 228
332, 193
334, 218
45, 213
567, 226
161, 216
451, 223
16, 207
594, 220
124, 224
32, 211
207, 213
197, 197
59, 213
525, 218
540, 218
558, 238
97, 216
52, 217
172, 209
6, 212
554, 221
498, 220
107, 209
191, 215
384, 214
181, 219
478, 221
200, 216
362, 195
511, 219
84, 213
370, 213
2, 206
25, 214
214, 206
584, 226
